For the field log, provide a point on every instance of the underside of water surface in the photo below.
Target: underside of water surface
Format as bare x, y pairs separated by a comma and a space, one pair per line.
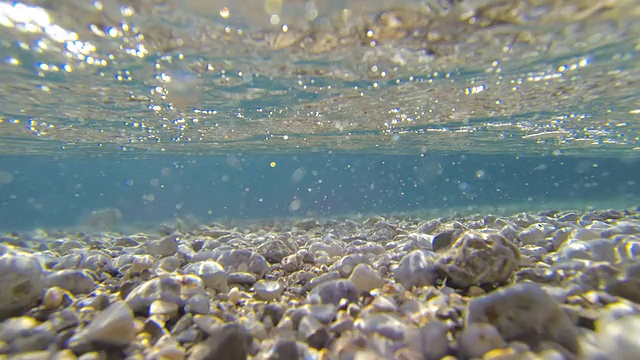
408, 77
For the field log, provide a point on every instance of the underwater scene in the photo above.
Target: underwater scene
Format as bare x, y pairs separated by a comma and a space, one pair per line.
320, 179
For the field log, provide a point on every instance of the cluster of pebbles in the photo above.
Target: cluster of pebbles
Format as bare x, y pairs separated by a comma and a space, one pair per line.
553, 285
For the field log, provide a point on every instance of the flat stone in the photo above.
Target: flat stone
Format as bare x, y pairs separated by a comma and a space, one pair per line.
76, 281
241, 278
166, 246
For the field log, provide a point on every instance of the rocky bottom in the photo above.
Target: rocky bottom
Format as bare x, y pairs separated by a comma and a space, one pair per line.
552, 285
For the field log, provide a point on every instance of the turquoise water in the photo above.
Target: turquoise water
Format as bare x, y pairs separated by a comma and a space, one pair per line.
225, 111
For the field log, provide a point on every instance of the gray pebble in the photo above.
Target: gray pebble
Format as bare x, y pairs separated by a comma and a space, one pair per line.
198, 304
365, 278
113, 326
429, 340
347, 263
269, 290
167, 289
21, 283
387, 325
477, 338
274, 250
244, 261
332, 291
76, 281
315, 333
166, 246
331, 275
228, 342
241, 278
211, 273
416, 269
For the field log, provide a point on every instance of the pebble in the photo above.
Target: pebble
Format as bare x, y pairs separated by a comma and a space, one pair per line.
268, 290
429, 340
275, 250
212, 274
477, 339
332, 291
76, 281
198, 304
141, 298
365, 278
244, 261
346, 264
387, 325
416, 269
241, 278
314, 332
21, 283
166, 246
113, 326
229, 342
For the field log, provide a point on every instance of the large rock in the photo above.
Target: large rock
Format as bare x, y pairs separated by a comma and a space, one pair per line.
479, 259
526, 313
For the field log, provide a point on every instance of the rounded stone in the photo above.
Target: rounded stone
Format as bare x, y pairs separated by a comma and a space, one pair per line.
477, 339
244, 261
332, 291
211, 273
365, 278
76, 281
21, 283
268, 290
416, 269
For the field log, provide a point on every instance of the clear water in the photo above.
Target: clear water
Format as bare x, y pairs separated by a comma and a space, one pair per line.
238, 110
